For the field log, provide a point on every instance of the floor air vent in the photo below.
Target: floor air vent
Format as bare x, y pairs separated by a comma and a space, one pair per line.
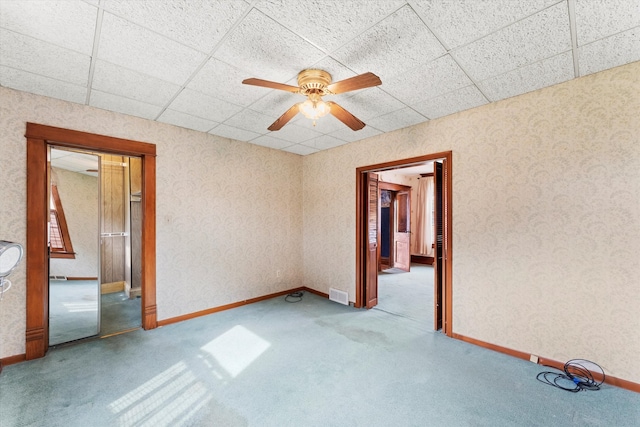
339, 296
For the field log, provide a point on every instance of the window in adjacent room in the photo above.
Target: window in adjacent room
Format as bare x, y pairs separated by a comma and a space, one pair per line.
59, 238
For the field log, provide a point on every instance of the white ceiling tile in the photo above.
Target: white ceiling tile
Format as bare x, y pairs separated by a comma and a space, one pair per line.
540, 36
278, 56
275, 102
29, 82
462, 21
294, 133
540, 74
271, 142
251, 120
452, 102
69, 24
120, 104
397, 120
204, 106
599, 19
234, 133
38, 57
369, 103
117, 80
198, 24
221, 80
398, 43
324, 142
619, 49
142, 50
350, 135
428, 81
177, 118
334, 22
300, 149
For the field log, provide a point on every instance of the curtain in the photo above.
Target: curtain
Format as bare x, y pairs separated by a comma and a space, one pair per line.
424, 215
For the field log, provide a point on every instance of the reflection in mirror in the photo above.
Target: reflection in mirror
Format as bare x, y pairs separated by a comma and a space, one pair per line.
74, 290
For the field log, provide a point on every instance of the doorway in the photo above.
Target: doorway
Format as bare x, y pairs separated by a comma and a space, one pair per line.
39, 137
94, 290
367, 244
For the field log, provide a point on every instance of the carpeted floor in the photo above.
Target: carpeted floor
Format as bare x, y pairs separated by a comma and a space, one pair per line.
311, 363
408, 294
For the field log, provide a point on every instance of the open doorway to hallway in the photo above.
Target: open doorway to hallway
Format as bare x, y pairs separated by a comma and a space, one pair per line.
381, 240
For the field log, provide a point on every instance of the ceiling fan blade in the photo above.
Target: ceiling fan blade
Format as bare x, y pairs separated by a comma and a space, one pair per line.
346, 117
354, 83
284, 119
271, 85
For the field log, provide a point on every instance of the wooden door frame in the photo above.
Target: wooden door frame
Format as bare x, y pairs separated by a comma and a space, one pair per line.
361, 232
39, 137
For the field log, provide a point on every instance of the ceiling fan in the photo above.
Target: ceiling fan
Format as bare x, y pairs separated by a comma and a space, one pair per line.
314, 84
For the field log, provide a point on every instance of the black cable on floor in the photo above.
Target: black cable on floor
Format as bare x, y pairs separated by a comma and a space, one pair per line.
576, 377
294, 296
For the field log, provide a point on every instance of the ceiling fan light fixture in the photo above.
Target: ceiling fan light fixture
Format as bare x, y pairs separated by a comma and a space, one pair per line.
314, 109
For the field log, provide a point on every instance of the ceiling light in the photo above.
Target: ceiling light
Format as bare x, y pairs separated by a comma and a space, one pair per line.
314, 107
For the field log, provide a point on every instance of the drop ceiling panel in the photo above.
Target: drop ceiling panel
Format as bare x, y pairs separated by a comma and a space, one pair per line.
136, 48
540, 36
278, 56
197, 24
204, 106
440, 76
120, 81
348, 135
186, 120
334, 22
271, 142
463, 21
182, 62
397, 120
251, 120
39, 57
324, 142
45, 86
124, 105
366, 104
68, 24
619, 49
300, 149
295, 134
398, 43
540, 74
599, 19
452, 102
234, 133
222, 80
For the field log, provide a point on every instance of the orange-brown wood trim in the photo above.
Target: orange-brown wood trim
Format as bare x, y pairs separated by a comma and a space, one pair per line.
421, 259
89, 141
543, 361
361, 185
212, 310
82, 278
313, 291
39, 137
6, 361
148, 247
392, 186
37, 327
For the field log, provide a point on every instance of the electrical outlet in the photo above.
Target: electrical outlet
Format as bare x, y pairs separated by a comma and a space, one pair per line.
533, 358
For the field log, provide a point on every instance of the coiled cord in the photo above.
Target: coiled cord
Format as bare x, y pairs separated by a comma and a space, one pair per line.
576, 377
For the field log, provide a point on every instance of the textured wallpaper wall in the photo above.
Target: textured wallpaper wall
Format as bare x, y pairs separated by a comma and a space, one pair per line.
79, 198
546, 217
229, 214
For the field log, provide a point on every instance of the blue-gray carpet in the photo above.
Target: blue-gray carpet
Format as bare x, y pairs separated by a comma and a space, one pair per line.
311, 363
